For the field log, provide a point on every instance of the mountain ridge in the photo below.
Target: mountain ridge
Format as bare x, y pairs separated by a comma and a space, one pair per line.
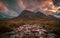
31, 15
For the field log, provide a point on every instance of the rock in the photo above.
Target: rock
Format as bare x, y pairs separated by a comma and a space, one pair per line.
30, 31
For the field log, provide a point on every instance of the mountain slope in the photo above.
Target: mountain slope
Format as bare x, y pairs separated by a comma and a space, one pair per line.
32, 15
27, 14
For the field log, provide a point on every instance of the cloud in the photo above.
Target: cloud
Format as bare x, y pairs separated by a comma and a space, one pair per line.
7, 13
12, 13
57, 16
45, 6
3, 7
28, 4
15, 7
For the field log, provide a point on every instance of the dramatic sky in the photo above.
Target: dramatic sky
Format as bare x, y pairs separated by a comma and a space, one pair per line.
13, 8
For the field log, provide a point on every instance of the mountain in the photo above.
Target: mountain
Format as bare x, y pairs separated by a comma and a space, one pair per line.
40, 15
27, 14
31, 15
52, 17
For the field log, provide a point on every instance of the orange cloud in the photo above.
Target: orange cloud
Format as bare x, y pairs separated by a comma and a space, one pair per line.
46, 6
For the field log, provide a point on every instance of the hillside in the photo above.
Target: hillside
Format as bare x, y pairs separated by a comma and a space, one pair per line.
28, 17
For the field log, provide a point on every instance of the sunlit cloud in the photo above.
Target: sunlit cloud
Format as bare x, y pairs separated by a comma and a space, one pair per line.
45, 6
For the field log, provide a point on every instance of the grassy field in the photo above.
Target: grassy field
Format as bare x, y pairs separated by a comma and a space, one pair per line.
8, 25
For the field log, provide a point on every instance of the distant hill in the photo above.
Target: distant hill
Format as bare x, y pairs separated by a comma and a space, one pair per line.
32, 15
